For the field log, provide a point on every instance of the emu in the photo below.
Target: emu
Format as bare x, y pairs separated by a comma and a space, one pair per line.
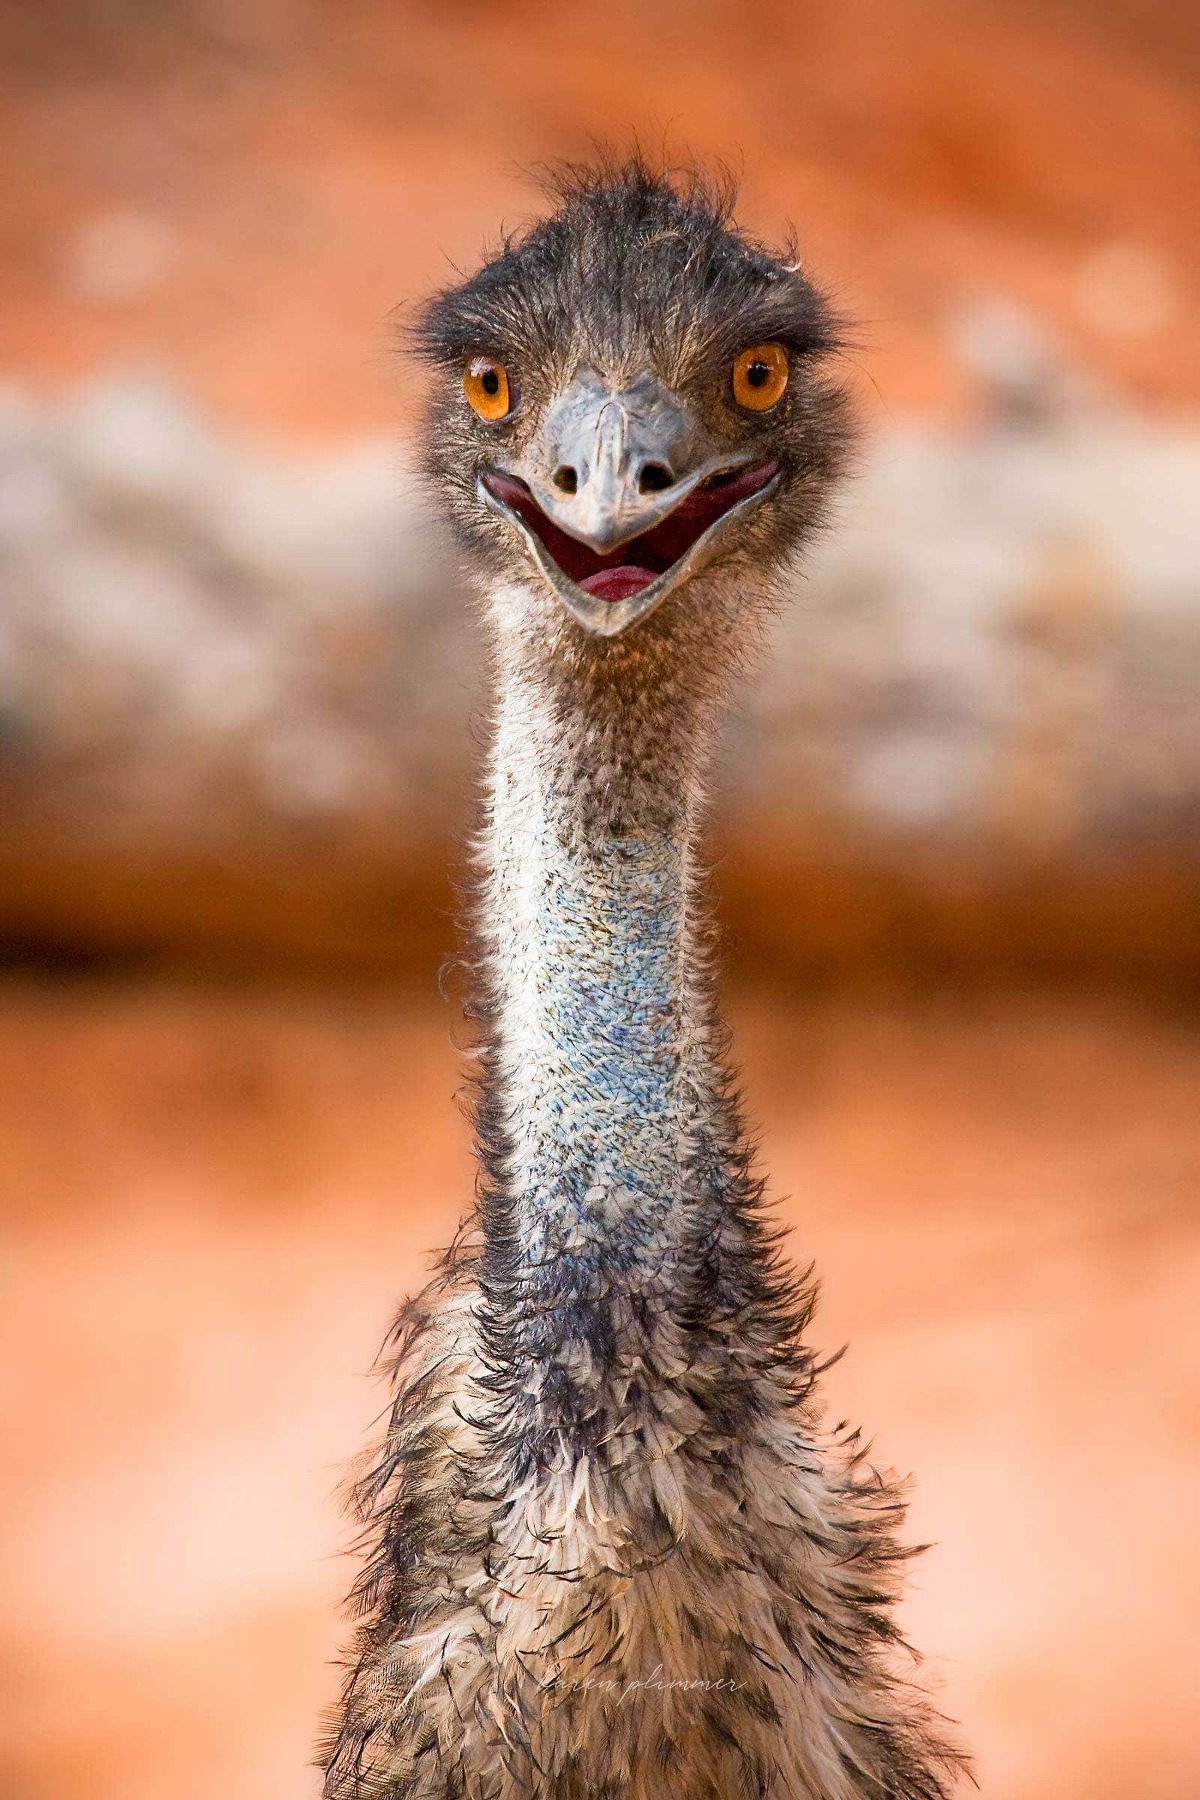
615, 1555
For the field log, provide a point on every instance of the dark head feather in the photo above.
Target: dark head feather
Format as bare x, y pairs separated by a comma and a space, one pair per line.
631, 261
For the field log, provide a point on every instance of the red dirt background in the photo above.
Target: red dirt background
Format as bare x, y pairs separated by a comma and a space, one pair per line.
244, 192
214, 1199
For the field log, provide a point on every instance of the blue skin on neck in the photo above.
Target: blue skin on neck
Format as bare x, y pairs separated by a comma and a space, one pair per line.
607, 1175
600, 1073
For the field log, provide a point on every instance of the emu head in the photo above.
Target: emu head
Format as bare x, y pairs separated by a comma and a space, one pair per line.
630, 415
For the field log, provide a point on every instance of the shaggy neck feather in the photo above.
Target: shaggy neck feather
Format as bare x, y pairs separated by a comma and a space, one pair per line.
602, 1062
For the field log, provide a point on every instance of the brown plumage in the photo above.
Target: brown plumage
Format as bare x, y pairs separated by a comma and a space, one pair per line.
613, 1552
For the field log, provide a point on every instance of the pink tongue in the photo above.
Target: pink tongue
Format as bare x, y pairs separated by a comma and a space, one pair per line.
618, 583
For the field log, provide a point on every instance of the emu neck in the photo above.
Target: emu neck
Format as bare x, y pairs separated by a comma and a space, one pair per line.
600, 1053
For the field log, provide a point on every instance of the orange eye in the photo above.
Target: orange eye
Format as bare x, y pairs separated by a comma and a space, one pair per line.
760, 375
485, 384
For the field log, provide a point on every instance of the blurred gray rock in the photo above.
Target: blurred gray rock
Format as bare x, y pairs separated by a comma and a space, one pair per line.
238, 661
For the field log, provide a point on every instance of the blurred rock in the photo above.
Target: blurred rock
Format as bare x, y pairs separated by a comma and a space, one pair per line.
235, 690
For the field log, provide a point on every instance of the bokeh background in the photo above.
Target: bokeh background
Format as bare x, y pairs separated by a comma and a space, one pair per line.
958, 853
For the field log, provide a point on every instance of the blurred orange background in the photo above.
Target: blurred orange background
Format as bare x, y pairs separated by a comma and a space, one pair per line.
959, 853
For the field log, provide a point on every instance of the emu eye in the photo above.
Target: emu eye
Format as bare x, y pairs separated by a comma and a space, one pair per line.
485, 383
760, 375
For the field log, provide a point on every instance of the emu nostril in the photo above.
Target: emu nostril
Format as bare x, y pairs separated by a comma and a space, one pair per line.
565, 479
655, 477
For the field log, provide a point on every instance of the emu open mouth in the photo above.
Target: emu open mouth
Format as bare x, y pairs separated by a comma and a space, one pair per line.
634, 565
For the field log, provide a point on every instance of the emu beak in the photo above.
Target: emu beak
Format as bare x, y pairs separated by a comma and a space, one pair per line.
616, 504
